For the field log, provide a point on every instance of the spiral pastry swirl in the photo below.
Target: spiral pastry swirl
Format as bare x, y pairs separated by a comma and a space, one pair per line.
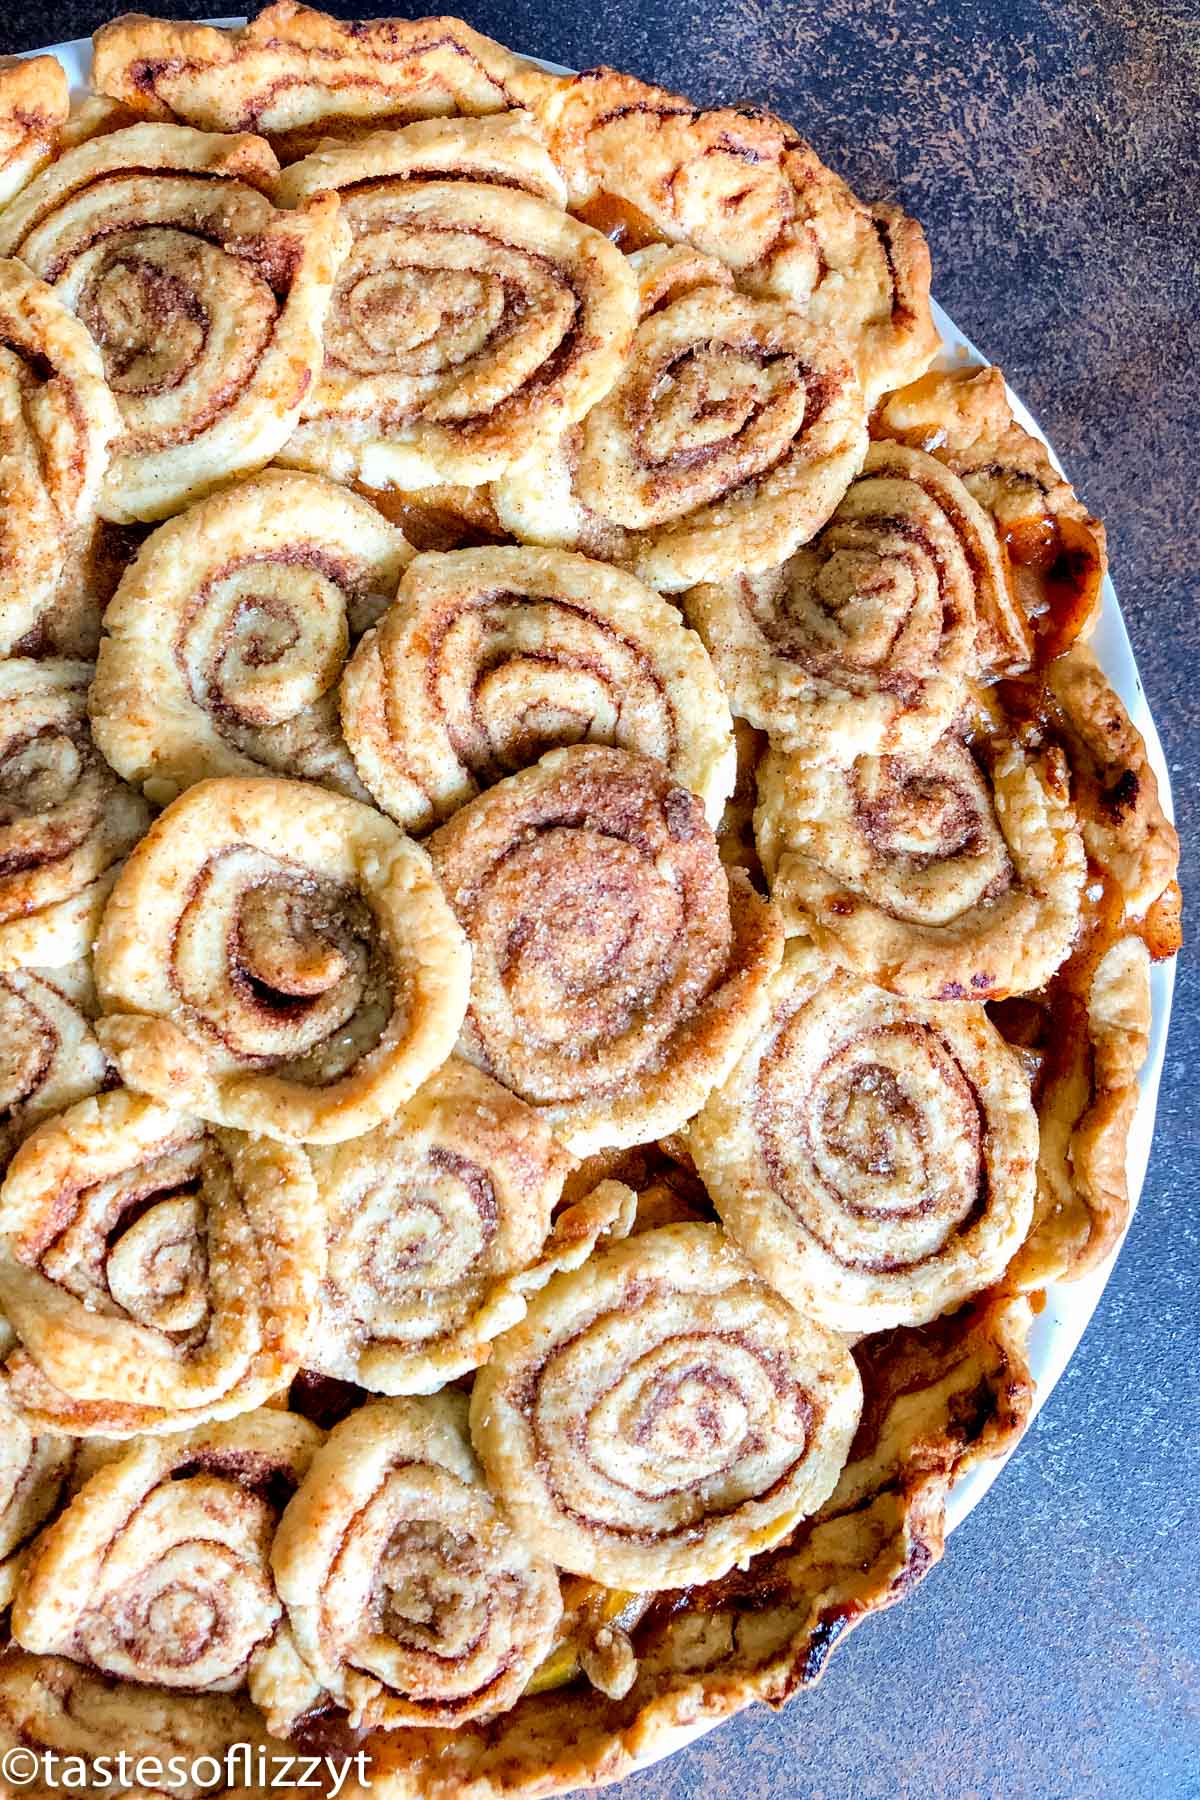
409, 1597
155, 1273
158, 1570
206, 302
1055, 550
661, 1414
238, 617
65, 818
280, 959
438, 1224
491, 657
50, 1704
862, 642
299, 76
616, 968
727, 440
874, 1157
49, 1054
470, 322
946, 877
57, 421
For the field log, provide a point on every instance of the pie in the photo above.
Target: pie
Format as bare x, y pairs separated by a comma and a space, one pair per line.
576, 910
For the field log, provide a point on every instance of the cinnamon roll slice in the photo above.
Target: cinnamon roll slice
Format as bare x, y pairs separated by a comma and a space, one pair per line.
741, 185
154, 1272
298, 75
727, 440
662, 1414
57, 421
51, 1705
617, 968
34, 105
470, 321
207, 303
438, 1225
238, 618
874, 1157
953, 875
1055, 548
49, 1055
409, 1597
491, 657
862, 642
65, 819
280, 959
158, 1571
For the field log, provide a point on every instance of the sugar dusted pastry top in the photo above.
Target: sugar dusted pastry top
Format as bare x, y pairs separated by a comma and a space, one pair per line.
576, 909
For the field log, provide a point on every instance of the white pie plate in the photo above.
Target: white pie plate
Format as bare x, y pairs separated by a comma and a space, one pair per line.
1069, 1305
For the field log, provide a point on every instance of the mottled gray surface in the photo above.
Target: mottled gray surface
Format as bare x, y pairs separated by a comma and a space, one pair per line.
1051, 153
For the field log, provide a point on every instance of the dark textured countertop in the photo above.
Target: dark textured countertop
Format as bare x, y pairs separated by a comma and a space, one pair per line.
1051, 152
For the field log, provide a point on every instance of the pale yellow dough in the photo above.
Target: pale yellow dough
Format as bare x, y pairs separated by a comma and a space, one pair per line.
662, 1415
280, 959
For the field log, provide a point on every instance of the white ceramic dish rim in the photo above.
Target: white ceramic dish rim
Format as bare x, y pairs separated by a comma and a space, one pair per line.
1058, 1329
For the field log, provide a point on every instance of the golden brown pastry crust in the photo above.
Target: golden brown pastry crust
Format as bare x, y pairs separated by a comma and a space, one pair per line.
740, 185
280, 959
617, 969
296, 75
49, 1055
226, 639
206, 300
155, 1274
950, 876
490, 657
58, 420
471, 321
661, 1414
726, 441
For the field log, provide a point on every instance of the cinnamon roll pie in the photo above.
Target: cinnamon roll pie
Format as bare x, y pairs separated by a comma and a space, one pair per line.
489, 1304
